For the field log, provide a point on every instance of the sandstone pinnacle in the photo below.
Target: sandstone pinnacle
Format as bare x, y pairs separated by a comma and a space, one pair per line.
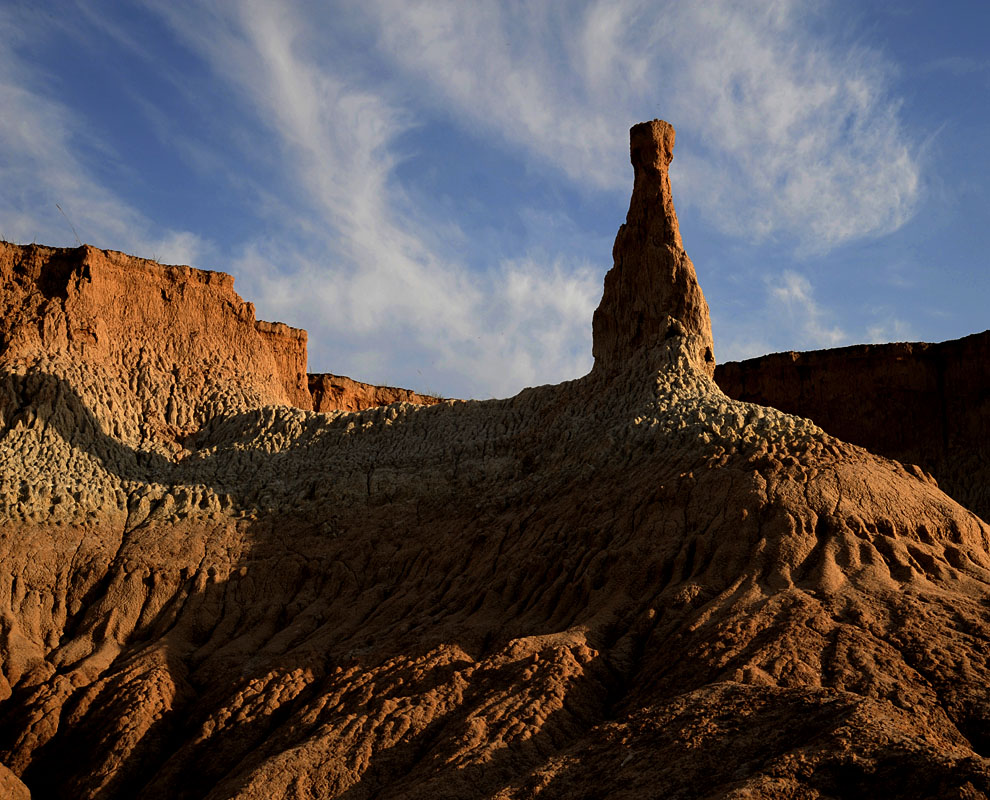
652, 305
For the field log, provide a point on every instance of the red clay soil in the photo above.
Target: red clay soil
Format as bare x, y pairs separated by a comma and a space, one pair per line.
340, 393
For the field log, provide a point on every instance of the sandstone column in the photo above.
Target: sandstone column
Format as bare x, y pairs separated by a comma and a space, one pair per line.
652, 302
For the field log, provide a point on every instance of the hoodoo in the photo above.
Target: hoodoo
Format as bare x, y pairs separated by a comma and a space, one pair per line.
651, 292
623, 586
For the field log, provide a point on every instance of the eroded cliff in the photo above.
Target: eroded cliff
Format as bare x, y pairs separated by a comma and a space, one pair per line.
340, 393
651, 292
627, 585
155, 351
924, 404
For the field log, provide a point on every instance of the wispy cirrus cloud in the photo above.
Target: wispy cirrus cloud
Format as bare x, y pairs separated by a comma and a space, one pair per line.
51, 194
792, 297
789, 134
889, 328
791, 317
785, 134
367, 283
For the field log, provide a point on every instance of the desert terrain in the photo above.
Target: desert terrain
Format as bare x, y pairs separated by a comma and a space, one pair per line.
222, 577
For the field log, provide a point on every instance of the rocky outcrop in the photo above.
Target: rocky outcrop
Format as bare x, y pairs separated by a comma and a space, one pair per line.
627, 585
11, 787
924, 404
651, 293
340, 393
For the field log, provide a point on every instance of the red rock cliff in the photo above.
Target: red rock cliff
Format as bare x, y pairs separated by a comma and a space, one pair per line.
924, 404
179, 341
340, 393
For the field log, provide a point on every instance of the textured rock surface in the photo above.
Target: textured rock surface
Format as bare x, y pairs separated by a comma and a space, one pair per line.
628, 585
340, 393
652, 300
11, 787
156, 350
924, 404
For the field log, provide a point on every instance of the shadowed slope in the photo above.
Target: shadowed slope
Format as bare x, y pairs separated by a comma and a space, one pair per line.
626, 585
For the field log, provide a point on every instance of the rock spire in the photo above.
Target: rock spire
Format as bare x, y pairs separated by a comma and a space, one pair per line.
652, 302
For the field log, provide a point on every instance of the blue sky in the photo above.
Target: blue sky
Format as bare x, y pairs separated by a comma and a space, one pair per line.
431, 189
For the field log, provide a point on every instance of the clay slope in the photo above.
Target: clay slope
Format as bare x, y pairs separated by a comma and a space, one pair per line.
627, 585
925, 404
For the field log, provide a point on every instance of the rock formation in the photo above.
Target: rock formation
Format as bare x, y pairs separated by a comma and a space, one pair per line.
924, 404
157, 351
651, 292
340, 393
627, 585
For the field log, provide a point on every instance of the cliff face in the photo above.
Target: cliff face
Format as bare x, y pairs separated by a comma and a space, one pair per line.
153, 351
340, 393
924, 404
627, 585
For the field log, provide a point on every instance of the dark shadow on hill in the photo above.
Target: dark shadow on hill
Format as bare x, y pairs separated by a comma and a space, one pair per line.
297, 646
387, 601
51, 405
46, 401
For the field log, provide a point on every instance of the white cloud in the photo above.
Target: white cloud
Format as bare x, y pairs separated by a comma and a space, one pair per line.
791, 299
890, 329
791, 318
41, 173
371, 289
784, 132
738, 344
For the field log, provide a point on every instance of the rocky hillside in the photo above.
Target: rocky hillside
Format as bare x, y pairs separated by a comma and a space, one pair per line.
628, 585
925, 404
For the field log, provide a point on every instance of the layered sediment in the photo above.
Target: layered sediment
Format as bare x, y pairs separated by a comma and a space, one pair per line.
627, 585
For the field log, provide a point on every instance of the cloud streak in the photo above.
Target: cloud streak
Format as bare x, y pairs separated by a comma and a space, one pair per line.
41, 171
790, 135
785, 135
370, 287
792, 296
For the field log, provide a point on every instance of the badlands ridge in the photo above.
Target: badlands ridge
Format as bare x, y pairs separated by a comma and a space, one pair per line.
627, 586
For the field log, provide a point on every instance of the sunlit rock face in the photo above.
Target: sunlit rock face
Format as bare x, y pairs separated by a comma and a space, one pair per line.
651, 293
627, 585
340, 393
